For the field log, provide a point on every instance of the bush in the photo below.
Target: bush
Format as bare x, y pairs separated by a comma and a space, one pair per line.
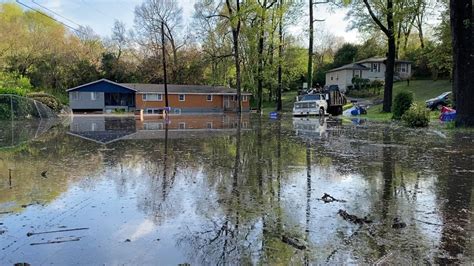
46, 99
14, 91
416, 116
401, 104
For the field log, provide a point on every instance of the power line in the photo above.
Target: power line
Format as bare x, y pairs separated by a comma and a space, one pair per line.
59, 15
46, 15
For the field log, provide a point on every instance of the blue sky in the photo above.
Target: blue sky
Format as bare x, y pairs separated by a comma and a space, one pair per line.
100, 15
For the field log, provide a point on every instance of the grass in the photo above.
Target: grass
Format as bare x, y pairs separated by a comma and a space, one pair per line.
287, 99
422, 90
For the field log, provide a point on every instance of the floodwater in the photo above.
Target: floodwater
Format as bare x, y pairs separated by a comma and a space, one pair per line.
228, 190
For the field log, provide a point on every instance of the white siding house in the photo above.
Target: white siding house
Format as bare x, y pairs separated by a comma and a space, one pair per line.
372, 69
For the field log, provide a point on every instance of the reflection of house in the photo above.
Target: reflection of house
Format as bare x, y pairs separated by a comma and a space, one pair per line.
372, 69
105, 129
104, 95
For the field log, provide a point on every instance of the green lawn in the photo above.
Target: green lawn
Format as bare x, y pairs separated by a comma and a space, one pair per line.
287, 98
422, 90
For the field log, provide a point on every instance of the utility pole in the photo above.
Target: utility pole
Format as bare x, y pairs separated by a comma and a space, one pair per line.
165, 81
280, 56
310, 47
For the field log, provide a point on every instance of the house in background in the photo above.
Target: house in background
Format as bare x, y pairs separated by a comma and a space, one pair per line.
372, 69
105, 96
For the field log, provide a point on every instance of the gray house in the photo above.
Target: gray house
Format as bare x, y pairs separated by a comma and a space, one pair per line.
372, 69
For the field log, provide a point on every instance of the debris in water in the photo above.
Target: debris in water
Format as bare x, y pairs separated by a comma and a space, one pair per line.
353, 218
43, 174
328, 198
128, 240
2, 232
294, 242
56, 241
398, 224
21, 264
57, 231
6, 212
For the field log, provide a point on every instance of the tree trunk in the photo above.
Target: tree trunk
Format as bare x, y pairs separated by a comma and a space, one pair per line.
280, 57
390, 63
235, 44
462, 27
310, 47
165, 81
261, 41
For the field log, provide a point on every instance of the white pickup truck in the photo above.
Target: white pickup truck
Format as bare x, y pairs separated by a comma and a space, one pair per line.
329, 101
311, 104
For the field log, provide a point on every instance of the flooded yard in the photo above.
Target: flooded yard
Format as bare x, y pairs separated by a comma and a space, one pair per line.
228, 190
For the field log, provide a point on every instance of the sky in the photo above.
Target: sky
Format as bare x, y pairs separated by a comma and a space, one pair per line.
101, 14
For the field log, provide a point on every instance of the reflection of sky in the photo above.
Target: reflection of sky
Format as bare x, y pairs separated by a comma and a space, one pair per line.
124, 199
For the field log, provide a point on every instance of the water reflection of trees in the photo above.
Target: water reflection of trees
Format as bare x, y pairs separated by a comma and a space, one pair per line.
241, 211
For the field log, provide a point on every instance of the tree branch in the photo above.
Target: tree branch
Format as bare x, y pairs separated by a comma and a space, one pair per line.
376, 20
218, 15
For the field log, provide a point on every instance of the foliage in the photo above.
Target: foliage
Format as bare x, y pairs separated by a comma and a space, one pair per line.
345, 55
401, 104
416, 116
13, 83
46, 99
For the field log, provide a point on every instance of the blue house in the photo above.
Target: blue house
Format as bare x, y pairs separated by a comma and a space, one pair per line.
102, 95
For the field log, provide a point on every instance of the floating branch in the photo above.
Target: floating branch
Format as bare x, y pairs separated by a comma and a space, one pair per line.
353, 218
57, 231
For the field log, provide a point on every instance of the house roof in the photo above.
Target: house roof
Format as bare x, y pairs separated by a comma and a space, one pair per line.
98, 81
380, 60
353, 66
176, 89
358, 65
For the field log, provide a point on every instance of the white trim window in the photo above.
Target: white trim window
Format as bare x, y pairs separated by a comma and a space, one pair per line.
152, 97
182, 97
209, 98
75, 95
153, 126
245, 98
94, 96
152, 111
182, 125
209, 125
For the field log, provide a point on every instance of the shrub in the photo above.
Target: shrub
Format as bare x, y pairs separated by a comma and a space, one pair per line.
416, 116
46, 99
14, 91
401, 104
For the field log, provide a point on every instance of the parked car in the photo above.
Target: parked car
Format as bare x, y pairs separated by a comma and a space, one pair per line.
439, 101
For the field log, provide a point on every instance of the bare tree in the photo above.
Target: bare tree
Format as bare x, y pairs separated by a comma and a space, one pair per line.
119, 37
148, 18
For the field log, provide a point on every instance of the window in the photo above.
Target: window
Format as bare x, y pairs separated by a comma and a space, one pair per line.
209, 98
153, 126
177, 111
94, 127
337, 76
152, 97
151, 111
75, 95
244, 98
209, 125
403, 68
93, 96
182, 97
375, 67
332, 78
182, 125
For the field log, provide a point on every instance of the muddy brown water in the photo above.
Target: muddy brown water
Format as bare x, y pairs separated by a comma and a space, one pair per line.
213, 190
